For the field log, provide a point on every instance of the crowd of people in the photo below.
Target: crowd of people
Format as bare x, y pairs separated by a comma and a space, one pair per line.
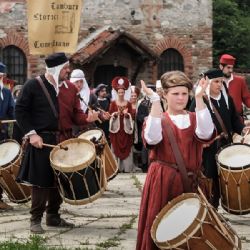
138, 124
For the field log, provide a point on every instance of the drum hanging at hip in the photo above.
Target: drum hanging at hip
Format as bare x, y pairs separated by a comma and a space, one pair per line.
10, 159
187, 223
234, 174
79, 172
98, 138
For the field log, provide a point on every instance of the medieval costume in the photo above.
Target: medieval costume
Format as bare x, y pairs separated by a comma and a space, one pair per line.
103, 102
121, 126
224, 106
6, 112
236, 85
164, 181
39, 118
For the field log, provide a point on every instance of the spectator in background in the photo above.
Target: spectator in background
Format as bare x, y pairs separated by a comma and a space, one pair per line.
236, 85
6, 112
103, 102
16, 91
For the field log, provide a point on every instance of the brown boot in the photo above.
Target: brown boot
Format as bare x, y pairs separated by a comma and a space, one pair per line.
5, 206
36, 228
54, 220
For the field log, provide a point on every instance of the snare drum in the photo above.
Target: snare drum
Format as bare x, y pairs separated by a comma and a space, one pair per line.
187, 223
234, 172
79, 172
10, 160
109, 162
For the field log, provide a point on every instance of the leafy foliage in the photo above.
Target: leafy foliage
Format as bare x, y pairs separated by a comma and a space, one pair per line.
231, 30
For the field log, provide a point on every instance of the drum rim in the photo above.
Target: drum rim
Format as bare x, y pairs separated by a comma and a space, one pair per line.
20, 152
73, 168
191, 230
228, 167
89, 129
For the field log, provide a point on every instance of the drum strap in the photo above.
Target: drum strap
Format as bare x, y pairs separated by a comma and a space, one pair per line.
218, 117
168, 131
48, 96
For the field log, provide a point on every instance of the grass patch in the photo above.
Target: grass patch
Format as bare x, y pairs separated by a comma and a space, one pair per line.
137, 183
35, 242
115, 241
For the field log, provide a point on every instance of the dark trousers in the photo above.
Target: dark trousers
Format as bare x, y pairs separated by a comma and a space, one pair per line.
215, 193
44, 199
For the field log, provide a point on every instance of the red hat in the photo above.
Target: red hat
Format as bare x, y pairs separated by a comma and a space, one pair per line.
227, 59
120, 82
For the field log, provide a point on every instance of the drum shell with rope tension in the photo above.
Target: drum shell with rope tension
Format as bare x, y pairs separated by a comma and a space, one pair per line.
109, 162
234, 174
11, 154
187, 223
79, 172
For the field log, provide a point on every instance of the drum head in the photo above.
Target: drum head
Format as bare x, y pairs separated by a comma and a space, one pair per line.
80, 153
177, 219
9, 150
89, 134
234, 156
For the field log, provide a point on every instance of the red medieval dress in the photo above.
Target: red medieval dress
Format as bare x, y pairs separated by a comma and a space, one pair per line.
121, 141
163, 182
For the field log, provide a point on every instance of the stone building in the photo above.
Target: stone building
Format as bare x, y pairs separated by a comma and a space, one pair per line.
138, 38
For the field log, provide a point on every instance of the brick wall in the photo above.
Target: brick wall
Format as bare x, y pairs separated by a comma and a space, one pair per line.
185, 25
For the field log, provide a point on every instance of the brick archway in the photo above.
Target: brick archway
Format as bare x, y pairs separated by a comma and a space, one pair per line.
17, 39
179, 45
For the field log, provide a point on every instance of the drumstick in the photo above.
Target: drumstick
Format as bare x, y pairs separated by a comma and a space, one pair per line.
98, 119
7, 121
55, 146
222, 227
244, 137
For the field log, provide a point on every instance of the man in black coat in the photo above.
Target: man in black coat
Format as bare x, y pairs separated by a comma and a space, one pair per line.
37, 115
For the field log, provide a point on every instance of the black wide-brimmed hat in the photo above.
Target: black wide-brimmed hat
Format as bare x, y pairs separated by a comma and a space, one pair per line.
56, 59
213, 73
100, 87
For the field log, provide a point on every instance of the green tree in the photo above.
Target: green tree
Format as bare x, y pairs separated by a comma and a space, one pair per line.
231, 30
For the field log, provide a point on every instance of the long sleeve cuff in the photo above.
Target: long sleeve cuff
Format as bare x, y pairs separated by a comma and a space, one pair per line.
153, 130
205, 125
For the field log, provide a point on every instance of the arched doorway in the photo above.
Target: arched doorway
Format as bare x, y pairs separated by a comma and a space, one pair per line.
105, 73
170, 60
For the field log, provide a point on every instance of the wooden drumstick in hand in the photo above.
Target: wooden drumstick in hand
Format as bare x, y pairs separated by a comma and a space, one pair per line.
7, 121
55, 146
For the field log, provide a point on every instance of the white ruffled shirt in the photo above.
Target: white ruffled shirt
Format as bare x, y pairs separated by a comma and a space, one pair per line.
204, 126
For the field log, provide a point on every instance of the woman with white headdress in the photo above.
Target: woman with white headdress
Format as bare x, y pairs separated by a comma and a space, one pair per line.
121, 125
78, 78
220, 104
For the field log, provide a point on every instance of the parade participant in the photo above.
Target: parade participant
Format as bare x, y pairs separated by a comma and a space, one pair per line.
46, 106
121, 125
226, 121
159, 91
78, 78
135, 92
143, 111
164, 180
237, 86
6, 112
103, 102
